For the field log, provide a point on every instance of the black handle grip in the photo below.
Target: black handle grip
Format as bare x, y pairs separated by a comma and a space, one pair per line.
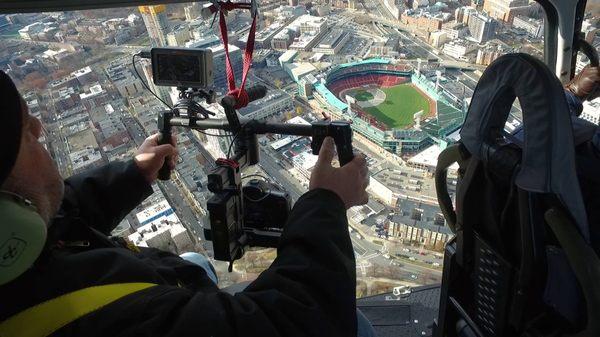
588, 50
165, 171
256, 92
341, 132
164, 127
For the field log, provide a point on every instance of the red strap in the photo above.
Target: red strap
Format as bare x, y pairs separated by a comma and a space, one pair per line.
228, 162
239, 93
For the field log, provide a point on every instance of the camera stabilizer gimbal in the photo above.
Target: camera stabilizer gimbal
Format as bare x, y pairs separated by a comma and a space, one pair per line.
236, 220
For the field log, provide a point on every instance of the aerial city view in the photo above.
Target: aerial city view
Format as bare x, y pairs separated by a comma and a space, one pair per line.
402, 72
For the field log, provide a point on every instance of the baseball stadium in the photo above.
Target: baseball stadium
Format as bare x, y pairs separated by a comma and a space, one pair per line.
391, 104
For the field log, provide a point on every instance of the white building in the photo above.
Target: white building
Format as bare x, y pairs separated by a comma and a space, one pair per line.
591, 111
427, 159
332, 42
31, 30
275, 103
305, 162
310, 30
382, 192
533, 27
438, 39
192, 12
299, 70
459, 49
287, 57
178, 37
160, 228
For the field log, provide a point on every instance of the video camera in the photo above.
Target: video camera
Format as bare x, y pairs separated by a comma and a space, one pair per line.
240, 215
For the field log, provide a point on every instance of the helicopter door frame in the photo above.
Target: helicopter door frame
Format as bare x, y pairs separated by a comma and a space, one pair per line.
562, 30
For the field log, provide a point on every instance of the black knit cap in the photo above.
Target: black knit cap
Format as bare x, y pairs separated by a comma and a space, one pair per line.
11, 123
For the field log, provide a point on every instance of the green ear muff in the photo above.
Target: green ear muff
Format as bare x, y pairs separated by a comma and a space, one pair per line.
22, 236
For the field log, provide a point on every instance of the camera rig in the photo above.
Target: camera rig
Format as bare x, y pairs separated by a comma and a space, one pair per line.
251, 215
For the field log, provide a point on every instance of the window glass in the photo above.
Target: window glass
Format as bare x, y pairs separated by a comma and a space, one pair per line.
402, 71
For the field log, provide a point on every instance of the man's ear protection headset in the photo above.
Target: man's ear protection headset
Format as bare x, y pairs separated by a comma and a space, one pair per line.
22, 236
22, 230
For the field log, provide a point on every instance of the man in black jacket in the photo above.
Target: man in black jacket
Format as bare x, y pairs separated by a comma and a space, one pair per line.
85, 284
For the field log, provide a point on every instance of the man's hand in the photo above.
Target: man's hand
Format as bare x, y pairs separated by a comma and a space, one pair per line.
349, 182
586, 84
150, 157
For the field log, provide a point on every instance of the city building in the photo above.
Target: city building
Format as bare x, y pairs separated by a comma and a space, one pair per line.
65, 98
85, 76
591, 111
161, 228
490, 52
305, 86
85, 159
422, 20
459, 49
235, 55
275, 103
437, 39
96, 96
482, 27
155, 19
419, 3
178, 36
506, 10
287, 57
462, 14
426, 160
203, 42
589, 28
393, 8
192, 12
264, 36
433, 235
282, 40
456, 31
533, 27
332, 42
298, 70
30, 31
325, 9
385, 48
126, 83
310, 29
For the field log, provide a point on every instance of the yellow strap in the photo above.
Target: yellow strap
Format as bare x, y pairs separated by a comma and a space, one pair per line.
45, 318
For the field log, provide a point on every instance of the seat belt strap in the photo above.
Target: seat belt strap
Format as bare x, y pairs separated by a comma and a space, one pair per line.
238, 92
47, 317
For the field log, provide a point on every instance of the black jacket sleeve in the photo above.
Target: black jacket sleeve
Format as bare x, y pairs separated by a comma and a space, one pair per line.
309, 290
104, 196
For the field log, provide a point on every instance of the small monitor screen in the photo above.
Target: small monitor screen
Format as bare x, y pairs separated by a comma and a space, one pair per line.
179, 68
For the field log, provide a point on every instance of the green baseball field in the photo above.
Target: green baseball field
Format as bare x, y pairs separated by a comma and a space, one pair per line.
363, 96
401, 103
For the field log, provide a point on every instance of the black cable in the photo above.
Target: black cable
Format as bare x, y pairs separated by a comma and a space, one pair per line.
231, 144
144, 83
234, 138
210, 134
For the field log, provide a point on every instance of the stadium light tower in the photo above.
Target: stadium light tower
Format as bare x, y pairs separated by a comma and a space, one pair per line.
350, 100
438, 77
419, 66
417, 118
